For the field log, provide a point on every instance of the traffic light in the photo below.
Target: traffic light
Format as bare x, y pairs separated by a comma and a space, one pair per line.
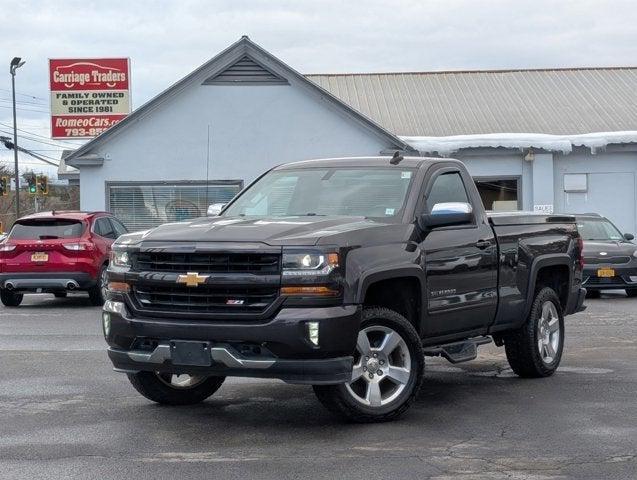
4, 186
31, 181
43, 184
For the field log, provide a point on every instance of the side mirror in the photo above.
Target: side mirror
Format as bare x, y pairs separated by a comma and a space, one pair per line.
446, 214
629, 236
215, 209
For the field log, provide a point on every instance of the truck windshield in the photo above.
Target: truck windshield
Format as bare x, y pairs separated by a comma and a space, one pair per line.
46, 229
348, 191
598, 229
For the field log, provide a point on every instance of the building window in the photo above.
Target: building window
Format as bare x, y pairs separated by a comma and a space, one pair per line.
499, 194
141, 206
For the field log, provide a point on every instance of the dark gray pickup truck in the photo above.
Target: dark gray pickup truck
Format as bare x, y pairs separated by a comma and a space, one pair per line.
342, 274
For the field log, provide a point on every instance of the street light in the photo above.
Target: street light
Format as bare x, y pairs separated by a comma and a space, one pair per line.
16, 63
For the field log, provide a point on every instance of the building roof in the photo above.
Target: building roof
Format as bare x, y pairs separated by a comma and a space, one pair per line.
436, 104
238, 51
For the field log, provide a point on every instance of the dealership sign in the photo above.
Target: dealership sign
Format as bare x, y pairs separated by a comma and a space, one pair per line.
88, 95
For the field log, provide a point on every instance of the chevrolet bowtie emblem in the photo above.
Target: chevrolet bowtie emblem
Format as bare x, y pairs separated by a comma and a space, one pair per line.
192, 279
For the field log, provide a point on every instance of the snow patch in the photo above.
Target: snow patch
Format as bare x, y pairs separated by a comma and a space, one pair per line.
446, 146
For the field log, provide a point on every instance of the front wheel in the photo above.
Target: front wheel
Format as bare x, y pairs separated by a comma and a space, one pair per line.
535, 350
97, 294
171, 389
11, 299
388, 370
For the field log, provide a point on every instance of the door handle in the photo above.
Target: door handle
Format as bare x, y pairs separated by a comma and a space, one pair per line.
482, 244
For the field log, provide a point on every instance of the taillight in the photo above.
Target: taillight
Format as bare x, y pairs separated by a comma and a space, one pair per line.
580, 245
7, 247
77, 246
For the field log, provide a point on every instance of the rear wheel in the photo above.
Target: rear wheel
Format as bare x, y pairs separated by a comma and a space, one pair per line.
388, 370
10, 299
535, 350
97, 294
172, 389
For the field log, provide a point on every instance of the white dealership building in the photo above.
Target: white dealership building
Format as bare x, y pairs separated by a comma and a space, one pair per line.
562, 140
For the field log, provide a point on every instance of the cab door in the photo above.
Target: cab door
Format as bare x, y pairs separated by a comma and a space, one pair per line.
460, 262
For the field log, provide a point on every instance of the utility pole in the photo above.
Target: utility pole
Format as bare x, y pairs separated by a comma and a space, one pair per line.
16, 63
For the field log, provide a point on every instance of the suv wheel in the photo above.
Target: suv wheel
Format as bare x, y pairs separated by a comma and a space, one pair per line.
632, 292
171, 389
535, 350
388, 370
10, 299
97, 294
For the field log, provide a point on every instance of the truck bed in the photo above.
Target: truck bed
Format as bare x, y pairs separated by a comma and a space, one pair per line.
527, 218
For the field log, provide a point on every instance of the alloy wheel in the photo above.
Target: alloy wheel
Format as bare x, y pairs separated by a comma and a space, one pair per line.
180, 381
548, 332
382, 366
104, 283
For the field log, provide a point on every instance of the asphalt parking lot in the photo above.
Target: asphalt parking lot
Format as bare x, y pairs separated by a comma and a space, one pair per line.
65, 414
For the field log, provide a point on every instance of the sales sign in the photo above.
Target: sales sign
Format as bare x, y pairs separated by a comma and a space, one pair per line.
88, 95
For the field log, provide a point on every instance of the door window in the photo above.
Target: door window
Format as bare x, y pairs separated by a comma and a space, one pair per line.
447, 187
104, 228
118, 227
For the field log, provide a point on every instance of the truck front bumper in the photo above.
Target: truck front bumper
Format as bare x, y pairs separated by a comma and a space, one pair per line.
276, 348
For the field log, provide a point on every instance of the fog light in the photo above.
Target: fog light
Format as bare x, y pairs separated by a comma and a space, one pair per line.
115, 307
106, 323
313, 332
633, 278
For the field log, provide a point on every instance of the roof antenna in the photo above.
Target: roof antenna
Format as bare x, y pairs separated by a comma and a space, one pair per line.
397, 158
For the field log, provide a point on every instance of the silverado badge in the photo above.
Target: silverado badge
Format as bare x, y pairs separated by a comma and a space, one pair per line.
192, 279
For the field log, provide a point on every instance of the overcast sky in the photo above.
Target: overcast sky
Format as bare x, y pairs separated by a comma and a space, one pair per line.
165, 40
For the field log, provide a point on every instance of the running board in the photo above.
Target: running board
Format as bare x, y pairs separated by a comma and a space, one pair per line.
458, 351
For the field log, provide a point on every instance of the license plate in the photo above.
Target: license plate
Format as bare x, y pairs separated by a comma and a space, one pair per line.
39, 257
183, 352
605, 272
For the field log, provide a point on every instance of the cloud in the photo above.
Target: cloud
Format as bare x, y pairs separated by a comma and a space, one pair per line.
166, 40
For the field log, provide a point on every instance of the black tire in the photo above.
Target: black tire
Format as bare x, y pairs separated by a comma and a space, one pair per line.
521, 346
96, 294
11, 299
340, 401
631, 293
151, 386
60, 294
593, 293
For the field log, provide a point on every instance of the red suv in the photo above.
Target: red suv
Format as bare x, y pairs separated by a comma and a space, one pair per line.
56, 252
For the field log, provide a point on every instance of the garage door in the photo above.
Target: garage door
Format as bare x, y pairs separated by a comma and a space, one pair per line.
609, 194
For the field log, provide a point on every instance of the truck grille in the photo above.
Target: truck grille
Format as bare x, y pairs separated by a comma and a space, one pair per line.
204, 299
239, 284
206, 262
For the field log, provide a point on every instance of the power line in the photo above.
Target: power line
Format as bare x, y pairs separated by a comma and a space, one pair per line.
24, 109
24, 137
23, 102
23, 94
61, 142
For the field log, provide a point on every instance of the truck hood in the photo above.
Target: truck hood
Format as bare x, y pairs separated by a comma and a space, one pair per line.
269, 230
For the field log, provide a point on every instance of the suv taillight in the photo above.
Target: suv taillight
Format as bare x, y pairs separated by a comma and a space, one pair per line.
7, 248
77, 246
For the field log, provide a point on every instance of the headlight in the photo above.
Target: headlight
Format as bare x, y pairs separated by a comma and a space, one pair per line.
309, 263
120, 260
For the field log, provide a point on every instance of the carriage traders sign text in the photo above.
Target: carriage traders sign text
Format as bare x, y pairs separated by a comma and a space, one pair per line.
88, 95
